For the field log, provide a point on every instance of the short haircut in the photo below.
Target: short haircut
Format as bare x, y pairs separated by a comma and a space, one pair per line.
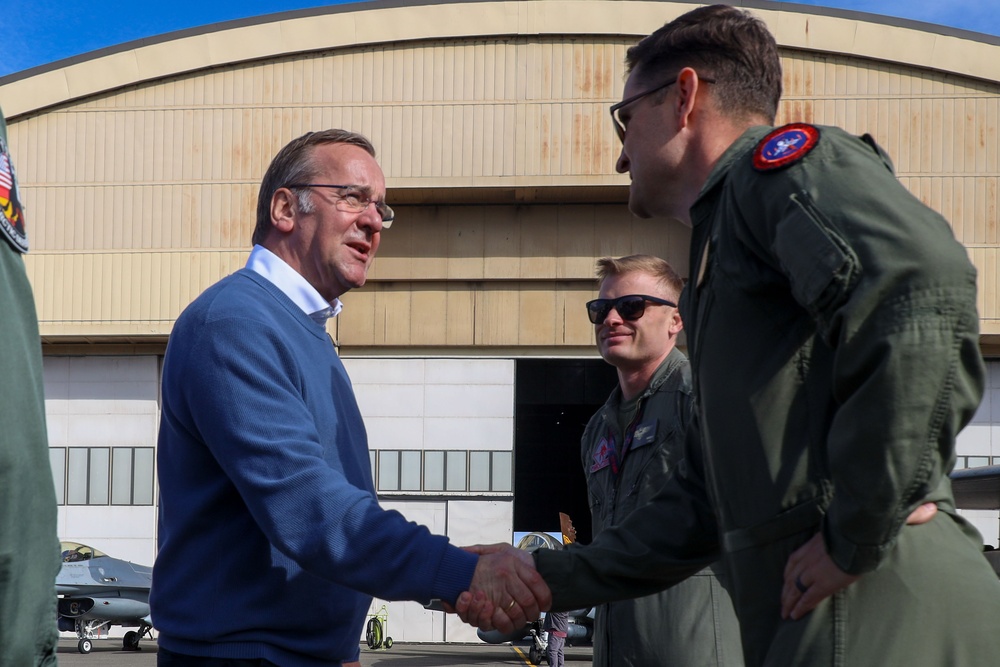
726, 44
648, 264
294, 164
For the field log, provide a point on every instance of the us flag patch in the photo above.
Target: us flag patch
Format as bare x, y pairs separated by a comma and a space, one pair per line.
11, 212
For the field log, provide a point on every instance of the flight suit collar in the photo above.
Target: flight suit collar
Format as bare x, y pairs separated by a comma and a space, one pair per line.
666, 368
739, 148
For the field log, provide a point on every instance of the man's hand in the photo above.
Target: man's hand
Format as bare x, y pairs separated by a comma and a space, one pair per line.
811, 576
506, 590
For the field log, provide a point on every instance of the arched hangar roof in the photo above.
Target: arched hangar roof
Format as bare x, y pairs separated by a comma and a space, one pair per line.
140, 163
384, 21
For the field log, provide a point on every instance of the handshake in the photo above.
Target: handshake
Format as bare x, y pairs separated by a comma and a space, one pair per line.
506, 590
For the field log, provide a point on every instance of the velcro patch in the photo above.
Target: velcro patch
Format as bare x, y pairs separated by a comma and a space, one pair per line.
784, 146
602, 455
11, 212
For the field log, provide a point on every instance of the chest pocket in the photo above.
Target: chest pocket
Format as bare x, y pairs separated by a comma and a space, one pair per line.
651, 466
646, 467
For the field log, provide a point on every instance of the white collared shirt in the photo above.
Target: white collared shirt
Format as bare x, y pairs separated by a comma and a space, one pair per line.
265, 263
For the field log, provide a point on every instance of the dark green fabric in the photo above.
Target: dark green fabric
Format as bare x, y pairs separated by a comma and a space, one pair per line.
29, 548
834, 344
692, 623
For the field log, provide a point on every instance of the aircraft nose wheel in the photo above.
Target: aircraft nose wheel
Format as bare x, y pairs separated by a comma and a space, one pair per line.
131, 641
85, 646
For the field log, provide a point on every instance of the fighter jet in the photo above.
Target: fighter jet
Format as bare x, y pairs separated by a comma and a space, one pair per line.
581, 621
97, 591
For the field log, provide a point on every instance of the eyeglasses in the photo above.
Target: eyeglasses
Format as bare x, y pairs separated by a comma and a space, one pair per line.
354, 201
631, 307
619, 126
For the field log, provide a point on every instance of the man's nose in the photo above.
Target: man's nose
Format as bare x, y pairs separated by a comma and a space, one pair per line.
613, 316
370, 218
622, 165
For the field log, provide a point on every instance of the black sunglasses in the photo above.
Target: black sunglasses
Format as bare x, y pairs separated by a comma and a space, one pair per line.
619, 125
630, 307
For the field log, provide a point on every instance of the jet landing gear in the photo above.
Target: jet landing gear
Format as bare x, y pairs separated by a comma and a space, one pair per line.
131, 640
92, 629
89, 630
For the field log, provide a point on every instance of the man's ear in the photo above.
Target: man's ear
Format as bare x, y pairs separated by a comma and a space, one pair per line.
689, 87
676, 324
284, 207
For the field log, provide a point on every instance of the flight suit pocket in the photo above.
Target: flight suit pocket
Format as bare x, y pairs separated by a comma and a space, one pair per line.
821, 267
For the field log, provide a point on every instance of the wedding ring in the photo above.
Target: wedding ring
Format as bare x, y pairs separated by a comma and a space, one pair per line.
511, 605
799, 585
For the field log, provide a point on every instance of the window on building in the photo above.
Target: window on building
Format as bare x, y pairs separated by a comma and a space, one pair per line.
57, 460
442, 471
103, 475
479, 471
409, 470
132, 476
501, 478
454, 471
77, 475
433, 471
388, 470
977, 461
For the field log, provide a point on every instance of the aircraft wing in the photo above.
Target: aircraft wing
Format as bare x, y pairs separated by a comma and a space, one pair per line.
977, 488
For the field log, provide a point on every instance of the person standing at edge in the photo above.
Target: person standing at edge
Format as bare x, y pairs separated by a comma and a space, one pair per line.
556, 625
628, 450
29, 553
831, 319
271, 538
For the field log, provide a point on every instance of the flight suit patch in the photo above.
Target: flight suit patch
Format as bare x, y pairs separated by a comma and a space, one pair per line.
784, 146
645, 434
11, 213
602, 455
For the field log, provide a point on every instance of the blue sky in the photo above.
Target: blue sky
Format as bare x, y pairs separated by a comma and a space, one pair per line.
37, 32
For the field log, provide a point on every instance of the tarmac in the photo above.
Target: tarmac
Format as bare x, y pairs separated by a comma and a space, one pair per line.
109, 653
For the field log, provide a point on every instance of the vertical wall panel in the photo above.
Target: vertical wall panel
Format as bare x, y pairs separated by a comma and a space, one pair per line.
172, 166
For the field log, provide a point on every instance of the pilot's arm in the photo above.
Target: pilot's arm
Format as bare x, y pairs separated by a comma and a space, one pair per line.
658, 545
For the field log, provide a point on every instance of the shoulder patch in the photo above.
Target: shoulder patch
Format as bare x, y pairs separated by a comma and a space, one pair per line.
11, 213
784, 146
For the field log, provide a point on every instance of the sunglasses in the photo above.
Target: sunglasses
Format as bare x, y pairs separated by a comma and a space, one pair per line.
615, 108
630, 307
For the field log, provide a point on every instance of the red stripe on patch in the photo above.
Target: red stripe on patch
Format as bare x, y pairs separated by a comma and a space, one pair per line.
784, 146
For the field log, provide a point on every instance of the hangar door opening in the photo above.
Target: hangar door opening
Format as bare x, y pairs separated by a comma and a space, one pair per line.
554, 399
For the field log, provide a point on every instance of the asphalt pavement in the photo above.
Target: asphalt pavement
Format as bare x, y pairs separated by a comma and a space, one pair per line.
109, 653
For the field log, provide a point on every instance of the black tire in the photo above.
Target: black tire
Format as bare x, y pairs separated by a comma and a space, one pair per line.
533, 656
388, 642
85, 646
373, 633
131, 641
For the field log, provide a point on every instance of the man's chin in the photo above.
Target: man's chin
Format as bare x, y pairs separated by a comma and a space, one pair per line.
636, 209
613, 354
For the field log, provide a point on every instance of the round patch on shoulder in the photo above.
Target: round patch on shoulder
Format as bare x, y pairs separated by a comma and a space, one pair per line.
784, 146
11, 213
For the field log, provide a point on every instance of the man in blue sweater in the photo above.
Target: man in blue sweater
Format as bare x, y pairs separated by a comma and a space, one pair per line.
271, 538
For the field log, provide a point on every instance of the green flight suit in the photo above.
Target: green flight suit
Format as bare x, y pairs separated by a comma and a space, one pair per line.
29, 547
832, 324
692, 624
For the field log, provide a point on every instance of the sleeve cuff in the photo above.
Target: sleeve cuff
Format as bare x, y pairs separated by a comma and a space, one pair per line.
454, 574
853, 558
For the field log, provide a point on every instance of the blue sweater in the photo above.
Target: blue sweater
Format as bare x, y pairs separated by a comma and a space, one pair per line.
271, 538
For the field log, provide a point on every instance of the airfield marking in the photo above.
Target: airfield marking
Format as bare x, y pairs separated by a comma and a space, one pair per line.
521, 654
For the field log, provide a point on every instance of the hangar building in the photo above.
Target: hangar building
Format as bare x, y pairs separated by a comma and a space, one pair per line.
471, 354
